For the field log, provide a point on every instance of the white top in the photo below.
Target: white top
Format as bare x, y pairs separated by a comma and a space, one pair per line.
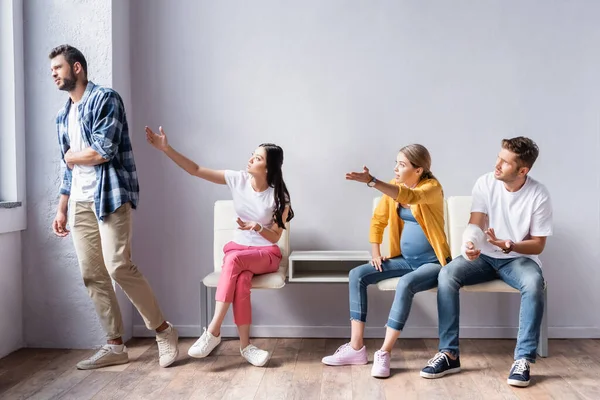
250, 205
83, 182
514, 216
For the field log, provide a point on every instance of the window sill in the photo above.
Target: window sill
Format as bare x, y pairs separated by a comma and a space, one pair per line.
12, 216
10, 204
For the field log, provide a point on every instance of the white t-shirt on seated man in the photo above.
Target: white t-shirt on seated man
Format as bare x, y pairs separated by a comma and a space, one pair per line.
514, 216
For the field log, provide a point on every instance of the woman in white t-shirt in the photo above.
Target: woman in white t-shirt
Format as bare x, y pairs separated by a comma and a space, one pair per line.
262, 203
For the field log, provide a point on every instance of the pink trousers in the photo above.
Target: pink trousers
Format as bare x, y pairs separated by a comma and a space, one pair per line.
240, 264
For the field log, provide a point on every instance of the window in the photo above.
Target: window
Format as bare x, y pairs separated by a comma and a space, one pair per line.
12, 127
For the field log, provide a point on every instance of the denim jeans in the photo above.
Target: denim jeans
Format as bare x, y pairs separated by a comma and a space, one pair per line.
413, 279
521, 273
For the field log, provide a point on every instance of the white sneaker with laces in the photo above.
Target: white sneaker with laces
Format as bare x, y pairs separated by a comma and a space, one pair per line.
168, 348
254, 355
204, 345
104, 357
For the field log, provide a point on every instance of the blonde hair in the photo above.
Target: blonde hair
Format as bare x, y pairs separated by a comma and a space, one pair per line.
419, 157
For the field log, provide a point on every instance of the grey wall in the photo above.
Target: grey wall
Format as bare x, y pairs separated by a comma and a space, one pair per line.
339, 84
11, 293
12, 176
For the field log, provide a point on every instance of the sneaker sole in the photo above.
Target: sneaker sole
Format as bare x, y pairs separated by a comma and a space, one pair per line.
341, 364
261, 364
202, 356
380, 376
88, 367
172, 361
198, 355
513, 382
439, 375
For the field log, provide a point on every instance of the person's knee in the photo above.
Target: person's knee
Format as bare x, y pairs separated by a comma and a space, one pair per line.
230, 262
119, 270
90, 277
357, 275
446, 276
449, 276
243, 283
533, 285
90, 280
354, 275
405, 286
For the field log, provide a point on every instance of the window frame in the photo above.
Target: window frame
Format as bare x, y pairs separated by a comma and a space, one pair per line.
12, 123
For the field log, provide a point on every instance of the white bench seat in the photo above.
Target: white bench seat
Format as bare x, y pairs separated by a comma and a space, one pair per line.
457, 210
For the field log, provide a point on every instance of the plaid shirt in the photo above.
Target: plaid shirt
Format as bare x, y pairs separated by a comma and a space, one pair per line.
104, 128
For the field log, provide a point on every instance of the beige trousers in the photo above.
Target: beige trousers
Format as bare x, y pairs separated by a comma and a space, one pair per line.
104, 251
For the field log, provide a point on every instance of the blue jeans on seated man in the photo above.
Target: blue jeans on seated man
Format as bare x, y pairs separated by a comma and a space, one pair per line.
414, 279
521, 273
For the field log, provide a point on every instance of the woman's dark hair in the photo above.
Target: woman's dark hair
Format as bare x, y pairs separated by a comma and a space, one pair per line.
275, 180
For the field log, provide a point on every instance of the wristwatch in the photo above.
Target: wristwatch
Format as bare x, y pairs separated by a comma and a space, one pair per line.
372, 182
509, 248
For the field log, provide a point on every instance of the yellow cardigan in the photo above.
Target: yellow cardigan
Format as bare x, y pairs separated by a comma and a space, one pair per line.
427, 205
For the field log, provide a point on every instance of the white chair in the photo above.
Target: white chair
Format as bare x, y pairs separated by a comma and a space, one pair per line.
224, 227
457, 210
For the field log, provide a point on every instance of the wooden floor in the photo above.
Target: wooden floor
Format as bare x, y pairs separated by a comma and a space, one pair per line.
295, 372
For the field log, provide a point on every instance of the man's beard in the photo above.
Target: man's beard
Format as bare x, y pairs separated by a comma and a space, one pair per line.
69, 83
508, 178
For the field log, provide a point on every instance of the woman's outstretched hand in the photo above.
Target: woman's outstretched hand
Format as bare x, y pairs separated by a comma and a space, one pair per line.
157, 140
363, 177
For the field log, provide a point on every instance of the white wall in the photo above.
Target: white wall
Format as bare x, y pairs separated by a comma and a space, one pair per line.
339, 84
57, 309
11, 293
12, 175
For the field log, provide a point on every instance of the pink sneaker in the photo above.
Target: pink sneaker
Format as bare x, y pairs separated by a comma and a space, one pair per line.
381, 364
346, 355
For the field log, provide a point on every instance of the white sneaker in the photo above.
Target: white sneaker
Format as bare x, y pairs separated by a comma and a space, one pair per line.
204, 345
255, 356
104, 357
168, 349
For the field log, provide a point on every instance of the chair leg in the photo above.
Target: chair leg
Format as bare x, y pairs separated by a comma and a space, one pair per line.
542, 349
210, 306
203, 315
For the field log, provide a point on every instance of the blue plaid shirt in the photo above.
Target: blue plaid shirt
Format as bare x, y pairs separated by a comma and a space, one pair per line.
104, 128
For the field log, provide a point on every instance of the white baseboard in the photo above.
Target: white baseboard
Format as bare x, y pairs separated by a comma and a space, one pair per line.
428, 332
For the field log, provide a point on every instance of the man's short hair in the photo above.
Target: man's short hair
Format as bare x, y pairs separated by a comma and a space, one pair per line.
525, 149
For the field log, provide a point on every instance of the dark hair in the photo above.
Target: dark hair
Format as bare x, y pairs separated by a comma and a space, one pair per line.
71, 54
275, 180
419, 157
525, 149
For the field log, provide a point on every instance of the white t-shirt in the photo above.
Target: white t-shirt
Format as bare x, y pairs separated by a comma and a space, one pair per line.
83, 181
514, 216
250, 206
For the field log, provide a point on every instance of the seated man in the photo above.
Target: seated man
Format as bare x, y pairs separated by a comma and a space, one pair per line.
511, 216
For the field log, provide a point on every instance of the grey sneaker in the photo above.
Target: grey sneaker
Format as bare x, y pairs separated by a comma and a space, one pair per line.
168, 349
104, 357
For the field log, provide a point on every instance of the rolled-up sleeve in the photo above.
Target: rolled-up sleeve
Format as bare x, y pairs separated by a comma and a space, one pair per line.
65, 187
107, 126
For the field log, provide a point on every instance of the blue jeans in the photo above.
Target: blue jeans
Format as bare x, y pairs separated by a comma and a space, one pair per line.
521, 273
413, 280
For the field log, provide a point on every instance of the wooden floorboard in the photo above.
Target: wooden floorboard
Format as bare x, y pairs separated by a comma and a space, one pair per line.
295, 371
